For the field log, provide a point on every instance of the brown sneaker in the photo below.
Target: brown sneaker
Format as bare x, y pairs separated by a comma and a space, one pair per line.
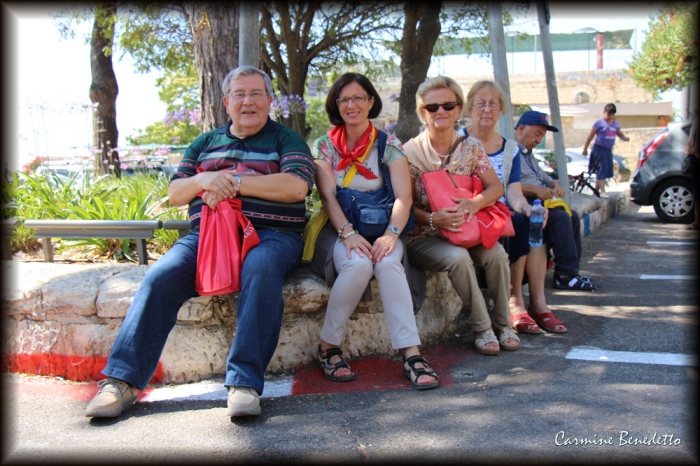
243, 401
114, 397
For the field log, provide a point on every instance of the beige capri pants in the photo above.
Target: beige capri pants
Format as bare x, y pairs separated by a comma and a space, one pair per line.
436, 254
353, 276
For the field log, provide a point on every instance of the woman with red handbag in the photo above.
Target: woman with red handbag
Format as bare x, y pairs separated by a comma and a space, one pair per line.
485, 101
439, 104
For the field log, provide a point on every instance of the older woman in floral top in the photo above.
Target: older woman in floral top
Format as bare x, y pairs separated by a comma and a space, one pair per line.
439, 104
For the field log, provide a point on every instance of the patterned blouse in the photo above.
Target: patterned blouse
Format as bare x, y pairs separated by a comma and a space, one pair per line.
471, 158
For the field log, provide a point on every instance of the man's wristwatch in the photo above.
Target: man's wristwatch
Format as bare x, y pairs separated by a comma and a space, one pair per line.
394, 230
237, 187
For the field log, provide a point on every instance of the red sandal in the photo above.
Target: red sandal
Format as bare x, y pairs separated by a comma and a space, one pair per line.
522, 323
547, 321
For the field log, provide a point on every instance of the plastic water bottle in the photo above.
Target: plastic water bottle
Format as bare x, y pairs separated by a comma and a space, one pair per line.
536, 219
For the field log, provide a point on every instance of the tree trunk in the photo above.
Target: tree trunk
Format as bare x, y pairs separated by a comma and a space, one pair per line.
416, 50
297, 81
103, 91
215, 39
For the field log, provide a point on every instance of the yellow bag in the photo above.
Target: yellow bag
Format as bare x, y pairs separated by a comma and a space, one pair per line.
320, 216
312, 229
552, 203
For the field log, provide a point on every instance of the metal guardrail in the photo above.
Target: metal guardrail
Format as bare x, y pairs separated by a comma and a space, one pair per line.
139, 230
182, 226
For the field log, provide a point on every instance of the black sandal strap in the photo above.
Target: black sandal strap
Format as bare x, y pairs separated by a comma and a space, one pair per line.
418, 371
330, 352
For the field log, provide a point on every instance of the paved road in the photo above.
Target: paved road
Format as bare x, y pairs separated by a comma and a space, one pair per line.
625, 371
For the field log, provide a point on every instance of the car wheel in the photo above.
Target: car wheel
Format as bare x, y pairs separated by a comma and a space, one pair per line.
673, 201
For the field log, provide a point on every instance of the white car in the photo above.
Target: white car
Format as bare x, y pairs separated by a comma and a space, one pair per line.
576, 163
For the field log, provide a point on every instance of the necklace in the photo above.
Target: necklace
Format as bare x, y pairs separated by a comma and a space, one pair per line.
443, 159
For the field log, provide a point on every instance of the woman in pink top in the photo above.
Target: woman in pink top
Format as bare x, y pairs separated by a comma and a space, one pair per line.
604, 130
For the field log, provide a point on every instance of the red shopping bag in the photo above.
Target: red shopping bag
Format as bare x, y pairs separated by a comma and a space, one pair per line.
225, 238
492, 221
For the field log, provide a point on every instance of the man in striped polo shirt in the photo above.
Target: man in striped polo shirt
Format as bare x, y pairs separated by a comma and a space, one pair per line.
270, 168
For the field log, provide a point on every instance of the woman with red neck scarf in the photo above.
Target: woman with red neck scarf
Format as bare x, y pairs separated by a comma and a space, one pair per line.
348, 156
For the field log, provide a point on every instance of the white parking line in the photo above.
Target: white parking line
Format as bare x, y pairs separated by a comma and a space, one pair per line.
667, 359
213, 391
674, 243
667, 277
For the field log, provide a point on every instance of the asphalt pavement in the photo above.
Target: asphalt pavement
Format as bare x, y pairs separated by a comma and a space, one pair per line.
618, 387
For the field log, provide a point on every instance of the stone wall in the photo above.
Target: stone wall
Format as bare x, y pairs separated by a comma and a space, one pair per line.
531, 89
73, 312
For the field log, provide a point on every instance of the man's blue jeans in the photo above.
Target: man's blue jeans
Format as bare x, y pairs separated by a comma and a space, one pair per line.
171, 281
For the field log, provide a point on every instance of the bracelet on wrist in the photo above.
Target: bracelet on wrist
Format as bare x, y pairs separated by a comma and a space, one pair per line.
340, 230
431, 221
522, 208
342, 238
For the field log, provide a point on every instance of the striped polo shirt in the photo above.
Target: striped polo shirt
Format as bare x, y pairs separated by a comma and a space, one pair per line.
274, 149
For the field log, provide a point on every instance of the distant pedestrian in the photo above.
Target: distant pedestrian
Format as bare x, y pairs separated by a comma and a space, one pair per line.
604, 130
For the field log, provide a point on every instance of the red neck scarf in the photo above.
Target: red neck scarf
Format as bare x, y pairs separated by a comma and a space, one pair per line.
339, 140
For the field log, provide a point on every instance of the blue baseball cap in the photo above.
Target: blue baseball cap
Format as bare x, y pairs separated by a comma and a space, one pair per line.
535, 118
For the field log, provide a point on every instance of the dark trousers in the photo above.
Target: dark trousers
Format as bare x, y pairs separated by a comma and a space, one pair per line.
565, 233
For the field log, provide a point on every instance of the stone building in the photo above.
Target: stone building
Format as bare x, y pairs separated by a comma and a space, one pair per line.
582, 91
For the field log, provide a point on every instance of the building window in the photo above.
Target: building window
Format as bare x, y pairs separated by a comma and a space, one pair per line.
582, 98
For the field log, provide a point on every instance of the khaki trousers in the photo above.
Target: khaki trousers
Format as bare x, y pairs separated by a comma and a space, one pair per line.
439, 255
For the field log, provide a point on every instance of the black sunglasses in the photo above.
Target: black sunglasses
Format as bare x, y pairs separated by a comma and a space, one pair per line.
432, 108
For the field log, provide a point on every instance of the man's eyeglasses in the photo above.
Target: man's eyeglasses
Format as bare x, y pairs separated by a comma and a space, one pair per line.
357, 99
432, 108
254, 95
492, 105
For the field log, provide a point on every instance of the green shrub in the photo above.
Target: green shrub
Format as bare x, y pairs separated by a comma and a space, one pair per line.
47, 196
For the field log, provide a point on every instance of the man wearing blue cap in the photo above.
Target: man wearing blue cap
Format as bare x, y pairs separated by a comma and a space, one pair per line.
564, 231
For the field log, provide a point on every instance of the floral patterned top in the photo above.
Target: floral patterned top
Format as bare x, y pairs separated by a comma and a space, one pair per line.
467, 159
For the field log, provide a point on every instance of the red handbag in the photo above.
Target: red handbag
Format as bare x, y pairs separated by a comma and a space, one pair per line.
492, 221
225, 238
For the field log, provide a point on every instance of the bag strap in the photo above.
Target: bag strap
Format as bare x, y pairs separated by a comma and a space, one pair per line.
382, 139
509, 152
455, 144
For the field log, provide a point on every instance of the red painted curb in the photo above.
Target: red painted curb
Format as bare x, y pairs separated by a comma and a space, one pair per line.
379, 373
76, 368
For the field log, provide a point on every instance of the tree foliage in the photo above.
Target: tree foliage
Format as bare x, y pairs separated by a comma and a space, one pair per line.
427, 28
305, 38
157, 36
174, 36
669, 56
179, 90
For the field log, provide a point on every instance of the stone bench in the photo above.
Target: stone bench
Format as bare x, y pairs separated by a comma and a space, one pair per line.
62, 319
